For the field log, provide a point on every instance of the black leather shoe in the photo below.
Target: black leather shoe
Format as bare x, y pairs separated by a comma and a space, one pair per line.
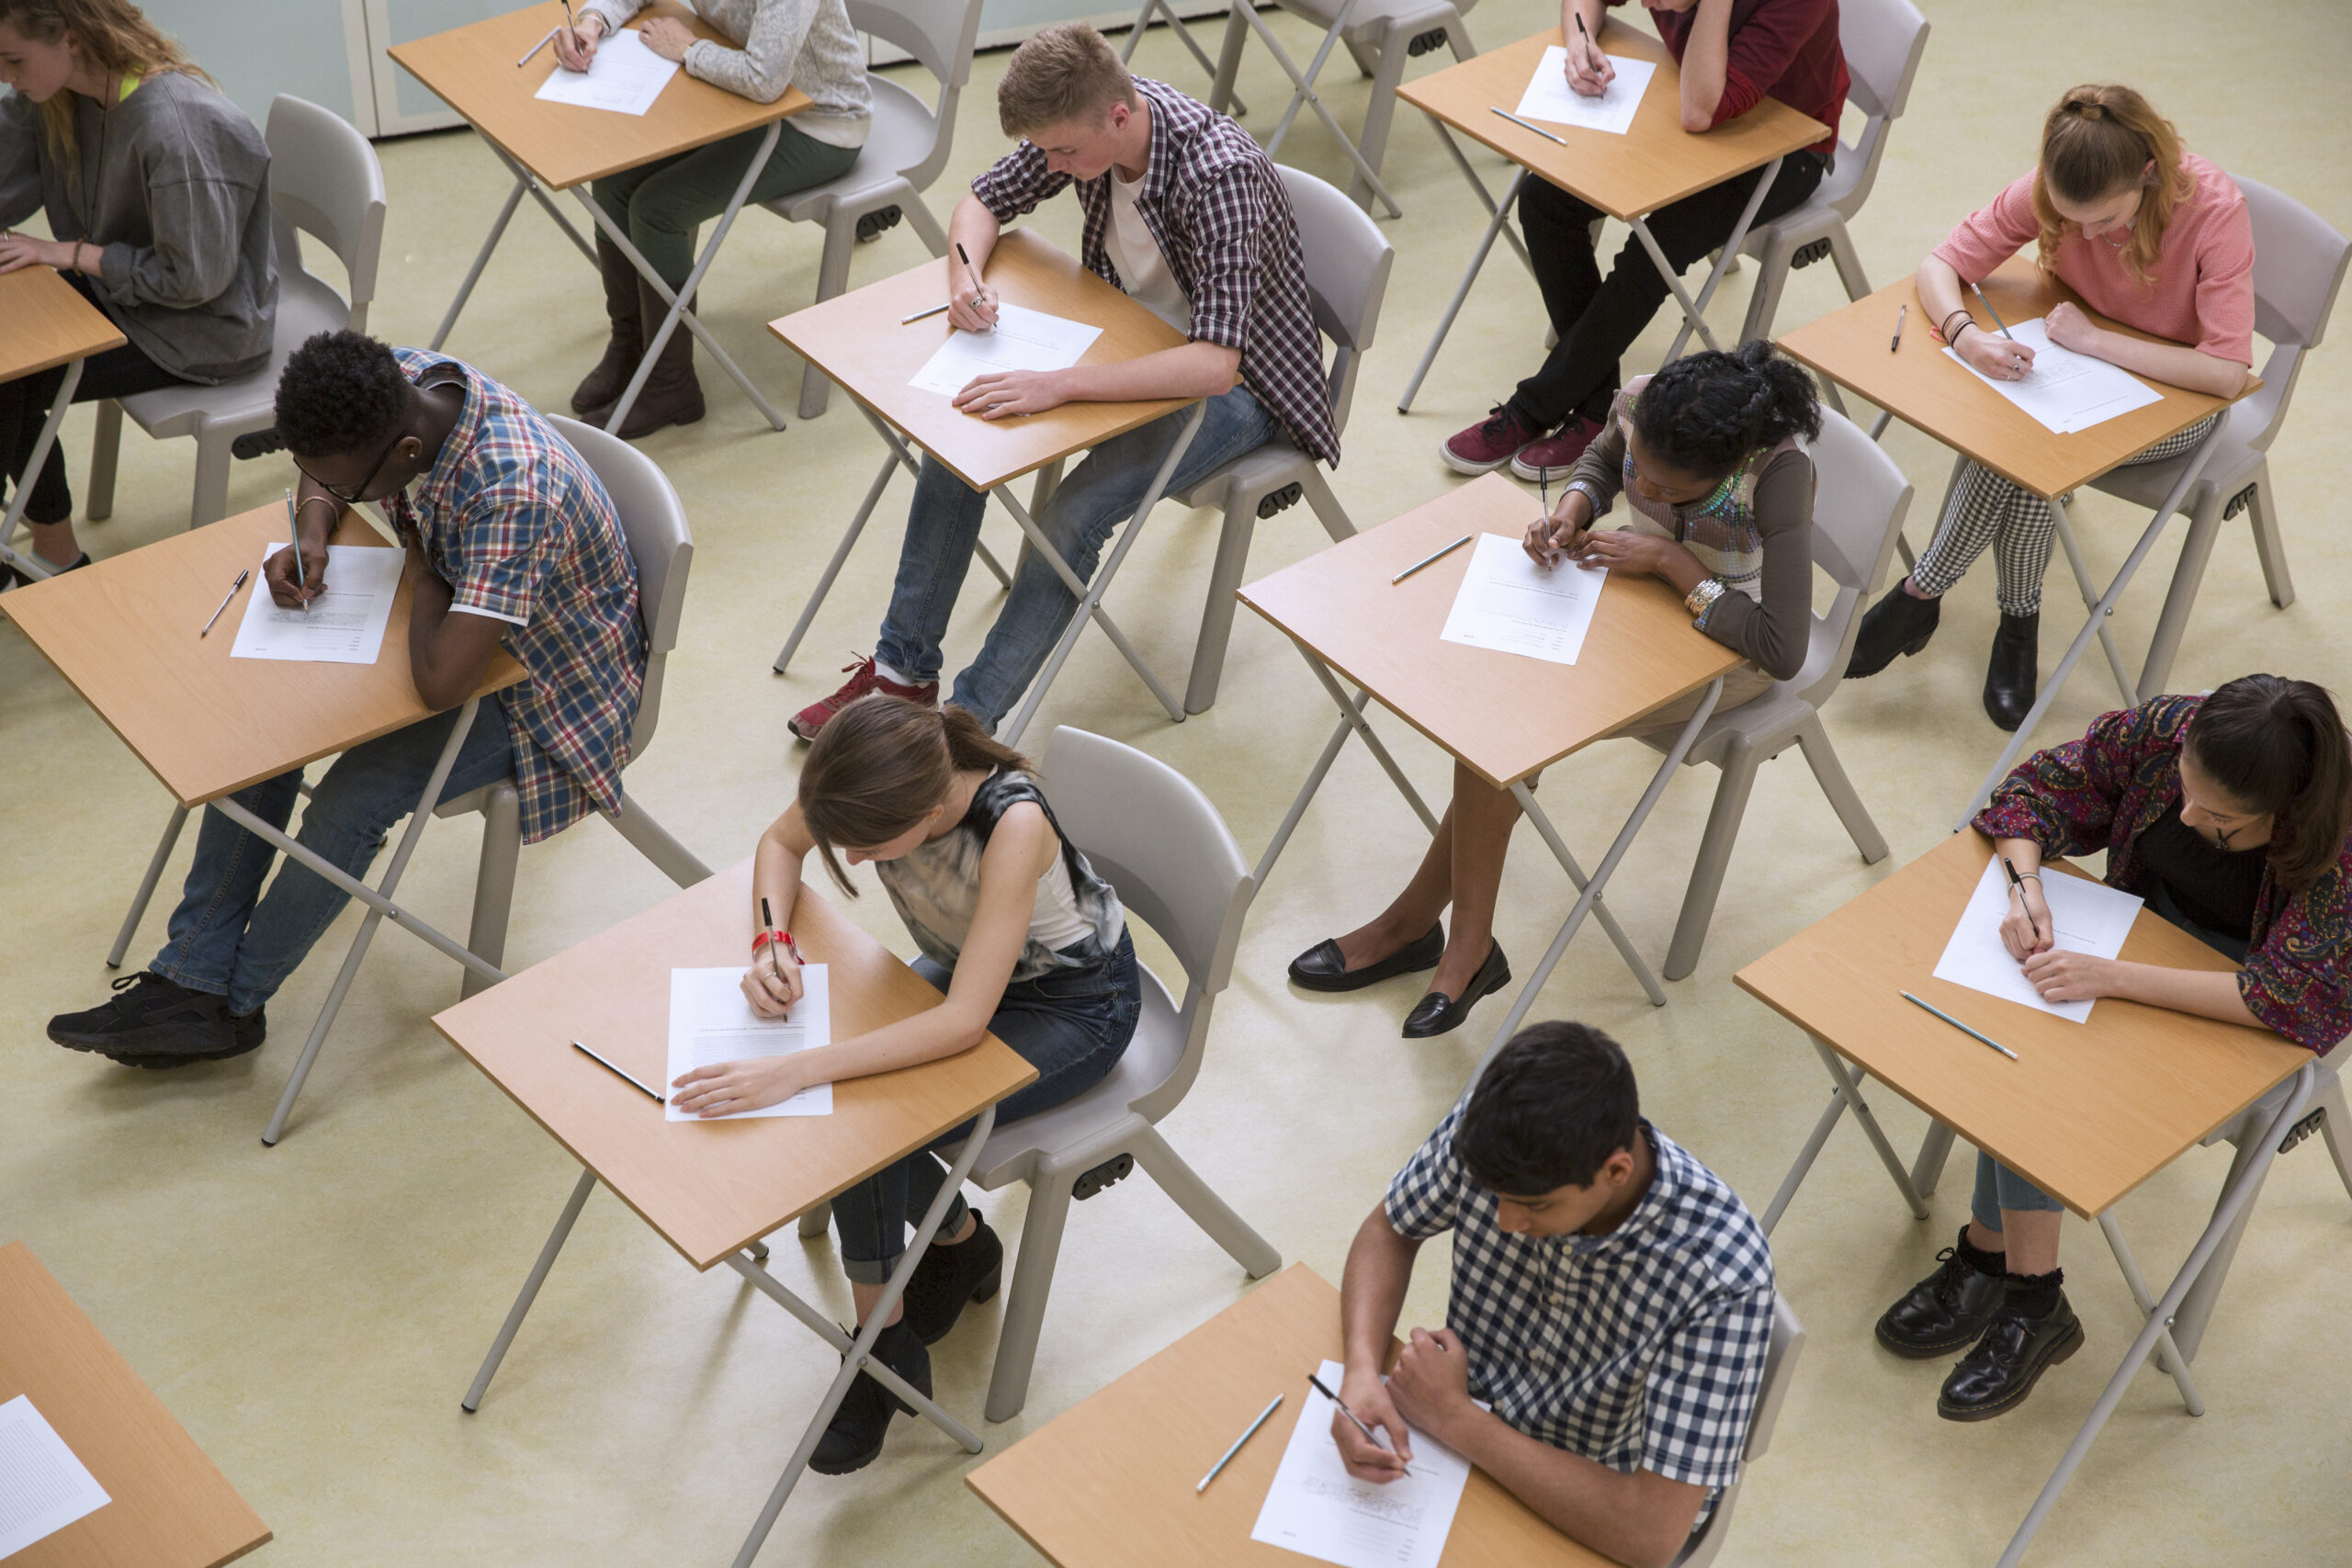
1897, 626
2010, 675
854, 1438
1320, 968
1994, 1378
949, 1276
1438, 1013
1944, 1312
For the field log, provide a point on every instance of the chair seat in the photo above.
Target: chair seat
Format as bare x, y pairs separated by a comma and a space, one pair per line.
902, 135
474, 799
1833, 201
1262, 468
305, 307
2234, 462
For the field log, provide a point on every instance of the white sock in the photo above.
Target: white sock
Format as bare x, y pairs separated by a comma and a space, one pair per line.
893, 676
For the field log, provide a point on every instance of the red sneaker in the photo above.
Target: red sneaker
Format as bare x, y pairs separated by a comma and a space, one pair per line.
863, 681
1486, 447
1552, 456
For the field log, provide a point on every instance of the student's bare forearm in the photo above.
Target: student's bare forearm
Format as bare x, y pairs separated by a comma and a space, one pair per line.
928, 1036
2174, 362
2204, 992
1194, 370
975, 228
1640, 1518
1371, 1290
1939, 284
1593, 12
1706, 57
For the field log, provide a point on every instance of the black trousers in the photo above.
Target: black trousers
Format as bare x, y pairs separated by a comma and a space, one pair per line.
23, 407
1596, 319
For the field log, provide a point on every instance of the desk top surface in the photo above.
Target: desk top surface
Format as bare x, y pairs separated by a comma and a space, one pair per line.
123, 632
1654, 164
864, 342
710, 1188
472, 69
1505, 714
2088, 1111
45, 322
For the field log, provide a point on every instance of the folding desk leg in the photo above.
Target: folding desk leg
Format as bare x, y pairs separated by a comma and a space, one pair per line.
1497, 224
833, 567
1600, 912
1851, 1082
2123, 682
1352, 711
481, 260
147, 885
2169, 1355
31, 565
1935, 1152
1694, 314
1304, 90
530, 1292
1802, 1167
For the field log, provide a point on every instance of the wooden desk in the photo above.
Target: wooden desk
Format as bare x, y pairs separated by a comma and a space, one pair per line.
1108, 1483
1506, 715
712, 1190
1654, 164
44, 323
171, 1507
557, 147
863, 341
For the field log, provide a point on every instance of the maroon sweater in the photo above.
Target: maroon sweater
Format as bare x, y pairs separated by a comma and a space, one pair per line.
1778, 48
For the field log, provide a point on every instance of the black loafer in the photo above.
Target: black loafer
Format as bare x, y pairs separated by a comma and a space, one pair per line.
1944, 1312
1438, 1013
949, 1276
2010, 1357
1320, 968
853, 1439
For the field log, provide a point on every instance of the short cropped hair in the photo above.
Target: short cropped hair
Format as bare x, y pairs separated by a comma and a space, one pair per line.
1551, 1108
1065, 73
342, 393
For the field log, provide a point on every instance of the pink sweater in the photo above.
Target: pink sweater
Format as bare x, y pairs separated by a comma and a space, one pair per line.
2200, 292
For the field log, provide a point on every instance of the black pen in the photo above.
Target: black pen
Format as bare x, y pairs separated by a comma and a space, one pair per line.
970, 271
1351, 1414
609, 1067
2017, 882
1899, 317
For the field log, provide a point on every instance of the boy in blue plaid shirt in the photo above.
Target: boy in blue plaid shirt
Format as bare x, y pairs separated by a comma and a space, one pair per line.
1612, 1302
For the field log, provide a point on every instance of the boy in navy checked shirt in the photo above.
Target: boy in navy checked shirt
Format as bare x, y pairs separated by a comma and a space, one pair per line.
1613, 1303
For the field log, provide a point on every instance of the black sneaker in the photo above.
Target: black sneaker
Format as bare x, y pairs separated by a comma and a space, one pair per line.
854, 1438
969, 1270
152, 1021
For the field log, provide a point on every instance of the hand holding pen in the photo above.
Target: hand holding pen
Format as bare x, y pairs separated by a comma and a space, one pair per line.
575, 42
1589, 71
1368, 1459
973, 306
298, 574
772, 982
1561, 532
2028, 919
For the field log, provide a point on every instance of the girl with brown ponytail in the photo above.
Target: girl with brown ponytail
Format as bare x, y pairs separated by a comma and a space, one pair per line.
1024, 941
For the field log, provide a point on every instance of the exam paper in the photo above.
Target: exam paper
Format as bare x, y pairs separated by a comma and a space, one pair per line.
1551, 100
2064, 390
343, 625
1024, 340
710, 1023
43, 1487
2091, 918
625, 77
1510, 604
1317, 1509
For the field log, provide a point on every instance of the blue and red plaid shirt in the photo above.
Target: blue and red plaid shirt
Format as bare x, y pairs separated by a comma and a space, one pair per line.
522, 532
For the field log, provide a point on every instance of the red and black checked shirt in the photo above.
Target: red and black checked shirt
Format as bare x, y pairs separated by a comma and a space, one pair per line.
1218, 210
522, 530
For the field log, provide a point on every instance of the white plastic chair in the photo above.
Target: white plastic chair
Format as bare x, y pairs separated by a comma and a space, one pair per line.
1347, 277
1860, 500
324, 182
2298, 264
1883, 40
1779, 1367
905, 150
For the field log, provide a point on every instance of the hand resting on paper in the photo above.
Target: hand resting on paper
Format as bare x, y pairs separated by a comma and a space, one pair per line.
1008, 392
732, 1086
2069, 328
668, 37
1429, 1384
772, 983
2064, 976
1622, 549
1363, 1393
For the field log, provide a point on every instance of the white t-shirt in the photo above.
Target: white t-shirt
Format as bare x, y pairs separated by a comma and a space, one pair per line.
1137, 256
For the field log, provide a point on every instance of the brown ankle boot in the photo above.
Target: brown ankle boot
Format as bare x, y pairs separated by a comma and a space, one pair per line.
671, 394
595, 397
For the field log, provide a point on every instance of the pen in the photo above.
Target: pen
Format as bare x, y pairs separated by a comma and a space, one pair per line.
294, 532
609, 1067
1526, 126
224, 601
768, 920
534, 49
918, 315
1948, 1018
1991, 312
1899, 316
2018, 883
1427, 559
1351, 1414
973, 272
1236, 1449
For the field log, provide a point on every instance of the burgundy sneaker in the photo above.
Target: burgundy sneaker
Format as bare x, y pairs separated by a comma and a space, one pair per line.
863, 681
1552, 456
1483, 447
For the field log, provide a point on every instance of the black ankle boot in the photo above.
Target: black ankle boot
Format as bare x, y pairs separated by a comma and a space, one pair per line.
2010, 675
2034, 1329
854, 1438
1896, 625
1950, 1308
951, 1275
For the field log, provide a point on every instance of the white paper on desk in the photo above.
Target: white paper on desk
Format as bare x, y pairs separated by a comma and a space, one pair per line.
2090, 915
43, 1487
1317, 1509
625, 77
1510, 604
342, 625
710, 1023
2064, 390
1551, 100
1024, 340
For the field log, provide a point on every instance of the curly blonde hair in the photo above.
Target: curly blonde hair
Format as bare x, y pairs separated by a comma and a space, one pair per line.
2101, 139
114, 33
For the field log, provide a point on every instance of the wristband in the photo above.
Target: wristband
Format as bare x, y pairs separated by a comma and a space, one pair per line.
783, 938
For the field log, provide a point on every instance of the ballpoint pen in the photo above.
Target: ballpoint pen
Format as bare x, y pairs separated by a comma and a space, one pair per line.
1352, 1419
1899, 317
224, 601
969, 271
2018, 882
609, 1067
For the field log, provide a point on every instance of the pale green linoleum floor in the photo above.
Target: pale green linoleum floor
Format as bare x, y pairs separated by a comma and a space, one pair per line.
312, 1312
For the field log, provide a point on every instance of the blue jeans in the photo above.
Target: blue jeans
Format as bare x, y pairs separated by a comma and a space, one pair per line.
944, 525
227, 936
1071, 1025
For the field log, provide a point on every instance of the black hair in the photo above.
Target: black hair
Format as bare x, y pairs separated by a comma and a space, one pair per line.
1551, 1108
2277, 746
1705, 413
341, 394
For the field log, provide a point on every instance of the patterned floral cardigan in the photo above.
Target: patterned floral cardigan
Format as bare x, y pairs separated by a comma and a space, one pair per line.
2102, 792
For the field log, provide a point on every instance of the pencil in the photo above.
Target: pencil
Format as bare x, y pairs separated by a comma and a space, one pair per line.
294, 531
1991, 312
920, 315
534, 49
1524, 125
1948, 1018
609, 1067
1427, 559
1236, 1449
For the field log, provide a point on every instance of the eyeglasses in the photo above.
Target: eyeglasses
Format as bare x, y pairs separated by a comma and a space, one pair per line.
352, 497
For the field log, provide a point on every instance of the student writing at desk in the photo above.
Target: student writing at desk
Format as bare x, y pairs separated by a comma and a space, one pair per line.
1020, 935
2150, 235
1731, 56
778, 44
1705, 455
1611, 1299
2232, 815
1186, 214
157, 191
511, 541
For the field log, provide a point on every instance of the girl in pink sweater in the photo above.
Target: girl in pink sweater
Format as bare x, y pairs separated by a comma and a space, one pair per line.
2149, 235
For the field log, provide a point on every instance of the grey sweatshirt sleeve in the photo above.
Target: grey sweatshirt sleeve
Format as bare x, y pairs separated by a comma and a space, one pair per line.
19, 162
1777, 631
615, 11
761, 69
198, 221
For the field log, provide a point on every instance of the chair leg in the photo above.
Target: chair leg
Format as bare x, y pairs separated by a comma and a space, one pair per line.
1204, 1207
1457, 38
2336, 1128
925, 226
1738, 767
1327, 510
1830, 774
211, 502
502, 844
2180, 599
1366, 55
1032, 1278
106, 450
833, 279
2268, 544
1373, 142
652, 840
1216, 615
1764, 301
1228, 58
1849, 262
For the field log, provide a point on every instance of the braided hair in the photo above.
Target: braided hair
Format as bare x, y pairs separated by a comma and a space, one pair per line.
1706, 412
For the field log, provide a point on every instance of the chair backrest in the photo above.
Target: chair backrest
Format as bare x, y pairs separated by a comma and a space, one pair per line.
1881, 41
1148, 830
324, 181
939, 34
1779, 1367
1347, 260
654, 524
1860, 500
2299, 264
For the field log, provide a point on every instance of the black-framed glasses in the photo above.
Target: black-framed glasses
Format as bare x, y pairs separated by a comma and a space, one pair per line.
352, 497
